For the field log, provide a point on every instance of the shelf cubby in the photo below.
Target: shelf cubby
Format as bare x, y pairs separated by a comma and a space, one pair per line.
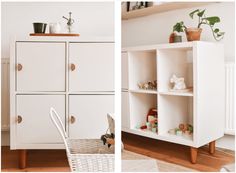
174, 110
178, 62
140, 104
142, 67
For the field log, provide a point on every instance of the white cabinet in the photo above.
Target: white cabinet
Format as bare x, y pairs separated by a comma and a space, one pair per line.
41, 76
201, 64
88, 115
91, 67
40, 66
124, 70
34, 124
125, 119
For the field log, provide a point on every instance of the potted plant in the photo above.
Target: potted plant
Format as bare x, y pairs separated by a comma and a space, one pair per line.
178, 28
194, 34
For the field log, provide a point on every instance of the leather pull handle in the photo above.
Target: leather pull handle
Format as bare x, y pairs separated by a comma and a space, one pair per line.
72, 67
72, 119
19, 119
19, 67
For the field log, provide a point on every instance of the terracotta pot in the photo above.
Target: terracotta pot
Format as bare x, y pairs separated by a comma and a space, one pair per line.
193, 34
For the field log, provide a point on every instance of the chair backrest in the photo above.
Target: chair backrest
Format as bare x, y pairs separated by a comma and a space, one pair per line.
111, 123
59, 125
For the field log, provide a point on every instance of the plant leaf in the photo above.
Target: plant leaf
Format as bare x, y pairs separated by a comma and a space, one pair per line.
212, 20
193, 12
216, 30
219, 34
200, 13
179, 27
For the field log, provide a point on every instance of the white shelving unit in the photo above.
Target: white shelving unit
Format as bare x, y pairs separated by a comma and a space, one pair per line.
74, 76
202, 66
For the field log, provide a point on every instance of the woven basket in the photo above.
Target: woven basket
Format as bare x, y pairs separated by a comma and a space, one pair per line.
85, 155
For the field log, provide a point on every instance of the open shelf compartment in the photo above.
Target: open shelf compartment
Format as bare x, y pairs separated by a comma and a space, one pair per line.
173, 111
140, 104
178, 62
142, 68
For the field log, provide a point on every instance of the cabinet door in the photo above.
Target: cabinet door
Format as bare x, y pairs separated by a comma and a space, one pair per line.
124, 70
125, 116
90, 115
36, 125
91, 67
40, 66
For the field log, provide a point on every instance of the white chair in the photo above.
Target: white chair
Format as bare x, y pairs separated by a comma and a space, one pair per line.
85, 155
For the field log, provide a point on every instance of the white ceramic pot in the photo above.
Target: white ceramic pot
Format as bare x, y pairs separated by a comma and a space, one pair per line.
54, 27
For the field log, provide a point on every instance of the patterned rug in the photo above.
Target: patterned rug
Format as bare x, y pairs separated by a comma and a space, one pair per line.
162, 166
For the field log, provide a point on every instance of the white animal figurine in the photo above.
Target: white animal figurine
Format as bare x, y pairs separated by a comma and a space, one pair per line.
179, 83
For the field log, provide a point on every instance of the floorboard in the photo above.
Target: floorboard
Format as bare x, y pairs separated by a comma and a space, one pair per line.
177, 154
37, 161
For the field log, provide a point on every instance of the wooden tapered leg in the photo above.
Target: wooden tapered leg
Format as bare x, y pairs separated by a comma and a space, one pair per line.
193, 154
212, 147
22, 159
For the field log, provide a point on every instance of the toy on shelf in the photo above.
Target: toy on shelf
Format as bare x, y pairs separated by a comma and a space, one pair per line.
151, 121
185, 130
179, 84
150, 85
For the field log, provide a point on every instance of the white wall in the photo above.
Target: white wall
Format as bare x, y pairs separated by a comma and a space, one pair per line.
92, 19
156, 28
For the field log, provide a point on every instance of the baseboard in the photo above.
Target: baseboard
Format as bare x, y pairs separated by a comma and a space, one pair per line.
226, 142
5, 140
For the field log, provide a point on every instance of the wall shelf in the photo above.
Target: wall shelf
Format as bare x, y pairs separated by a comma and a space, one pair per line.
169, 6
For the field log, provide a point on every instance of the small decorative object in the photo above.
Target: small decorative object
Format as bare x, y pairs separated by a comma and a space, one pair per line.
70, 21
152, 120
183, 127
143, 127
171, 131
54, 27
39, 27
179, 83
150, 85
148, 125
179, 132
177, 28
194, 34
136, 5
185, 130
172, 37
154, 129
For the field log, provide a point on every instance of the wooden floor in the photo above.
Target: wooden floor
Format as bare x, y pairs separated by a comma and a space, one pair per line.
177, 154
56, 161
37, 161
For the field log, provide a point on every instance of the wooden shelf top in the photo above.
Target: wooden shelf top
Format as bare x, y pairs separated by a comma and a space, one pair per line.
171, 93
168, 6
55, 34
144, 91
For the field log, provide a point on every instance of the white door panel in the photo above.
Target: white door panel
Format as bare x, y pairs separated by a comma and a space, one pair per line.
90, 112
36, 125
94, 67
43, 66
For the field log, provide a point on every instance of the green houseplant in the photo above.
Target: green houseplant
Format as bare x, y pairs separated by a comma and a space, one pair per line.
178, 28
195, 33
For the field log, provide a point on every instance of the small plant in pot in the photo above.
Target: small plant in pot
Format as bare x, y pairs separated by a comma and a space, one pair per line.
178, 28
194, 34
